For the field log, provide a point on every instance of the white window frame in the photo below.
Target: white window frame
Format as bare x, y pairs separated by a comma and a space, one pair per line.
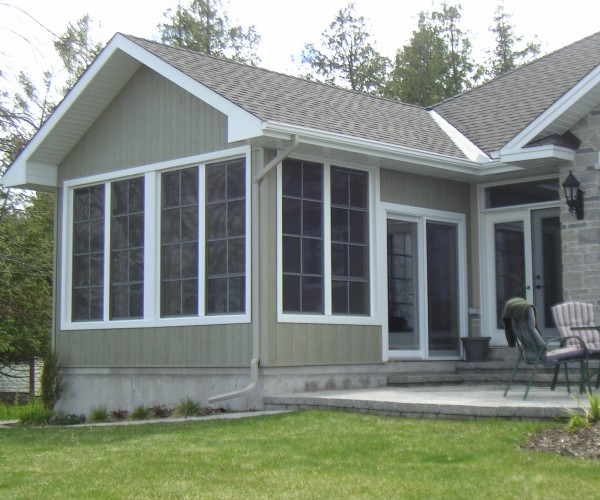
488, 217
152, 218
327, 317
421, 216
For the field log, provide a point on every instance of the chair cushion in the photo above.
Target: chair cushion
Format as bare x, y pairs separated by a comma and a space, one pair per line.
594, 351
575, 314
564, 354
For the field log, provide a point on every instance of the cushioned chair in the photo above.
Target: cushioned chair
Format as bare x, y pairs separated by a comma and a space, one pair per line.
579, 315
520, 326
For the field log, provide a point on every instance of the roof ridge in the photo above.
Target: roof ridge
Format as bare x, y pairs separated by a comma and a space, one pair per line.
266, 70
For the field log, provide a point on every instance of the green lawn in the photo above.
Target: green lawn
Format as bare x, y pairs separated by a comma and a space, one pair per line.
295, 455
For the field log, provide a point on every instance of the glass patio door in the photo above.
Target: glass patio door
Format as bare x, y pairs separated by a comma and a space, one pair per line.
403, 280
423, 288
523, 259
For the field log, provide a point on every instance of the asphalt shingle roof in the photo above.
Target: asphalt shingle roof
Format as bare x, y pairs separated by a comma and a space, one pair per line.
290, 100
492, 114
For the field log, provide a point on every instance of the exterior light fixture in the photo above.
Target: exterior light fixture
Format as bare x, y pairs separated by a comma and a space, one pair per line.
574, 195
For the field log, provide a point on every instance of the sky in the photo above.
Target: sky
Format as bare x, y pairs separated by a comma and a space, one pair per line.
283, 25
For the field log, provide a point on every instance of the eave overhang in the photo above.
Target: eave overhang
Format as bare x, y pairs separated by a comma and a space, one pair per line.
36, 166
435, 164
557, 119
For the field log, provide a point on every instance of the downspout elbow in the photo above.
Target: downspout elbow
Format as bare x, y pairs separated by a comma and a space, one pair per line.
256, 320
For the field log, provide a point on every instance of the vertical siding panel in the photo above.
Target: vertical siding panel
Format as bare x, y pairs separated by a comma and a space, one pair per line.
315, 344
414, 190
345, 341
150, 120
329, 350
285, 346
301, 343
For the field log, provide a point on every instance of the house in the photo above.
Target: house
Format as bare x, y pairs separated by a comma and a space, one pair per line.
226, 232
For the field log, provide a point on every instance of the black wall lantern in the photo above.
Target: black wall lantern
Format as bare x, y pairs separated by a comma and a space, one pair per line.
574, 195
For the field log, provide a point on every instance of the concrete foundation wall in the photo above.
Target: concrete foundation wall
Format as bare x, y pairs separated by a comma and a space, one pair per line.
126, 388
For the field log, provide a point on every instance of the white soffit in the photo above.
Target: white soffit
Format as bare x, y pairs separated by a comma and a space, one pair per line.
560, 116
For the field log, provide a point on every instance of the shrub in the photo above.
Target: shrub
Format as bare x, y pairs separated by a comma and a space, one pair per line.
99, 414
161, 411
35, 413
141, 413
188, 408
119, 414
60, 418
51, 383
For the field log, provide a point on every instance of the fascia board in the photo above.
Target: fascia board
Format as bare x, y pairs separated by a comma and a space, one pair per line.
383, 150
536, 153
553, 113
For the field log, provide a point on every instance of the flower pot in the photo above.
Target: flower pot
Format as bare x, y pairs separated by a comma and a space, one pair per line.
476, 348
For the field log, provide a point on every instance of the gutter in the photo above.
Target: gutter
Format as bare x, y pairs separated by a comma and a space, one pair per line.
256, 320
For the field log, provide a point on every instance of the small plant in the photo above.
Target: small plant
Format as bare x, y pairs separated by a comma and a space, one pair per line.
119, 414
51, 383
590, 415
188, 408
99, 414
141, 413
161, 411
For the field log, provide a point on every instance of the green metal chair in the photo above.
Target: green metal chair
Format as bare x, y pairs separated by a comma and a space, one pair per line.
521, 330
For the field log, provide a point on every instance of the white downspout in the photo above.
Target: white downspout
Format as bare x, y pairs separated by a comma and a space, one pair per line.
256, 320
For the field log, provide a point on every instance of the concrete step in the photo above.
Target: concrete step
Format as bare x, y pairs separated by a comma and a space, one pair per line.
424, 379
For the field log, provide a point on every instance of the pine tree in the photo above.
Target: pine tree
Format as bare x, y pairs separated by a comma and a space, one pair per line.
204, 27
346, 57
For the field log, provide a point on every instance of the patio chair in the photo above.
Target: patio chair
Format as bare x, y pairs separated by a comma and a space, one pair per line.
576, 319
520, 324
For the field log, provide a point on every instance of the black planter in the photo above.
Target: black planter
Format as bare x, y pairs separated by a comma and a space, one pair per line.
476, 348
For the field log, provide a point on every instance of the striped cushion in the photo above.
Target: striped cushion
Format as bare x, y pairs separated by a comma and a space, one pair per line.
576, 314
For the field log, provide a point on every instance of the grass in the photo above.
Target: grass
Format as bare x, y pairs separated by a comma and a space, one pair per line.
22, 411
297, 455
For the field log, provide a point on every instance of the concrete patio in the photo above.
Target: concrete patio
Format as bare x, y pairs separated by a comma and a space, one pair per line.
444, 401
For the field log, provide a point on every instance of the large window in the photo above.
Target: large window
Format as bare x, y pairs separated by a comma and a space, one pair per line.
349, 241
302, 239
225, 237
127, 249
179, 243
324, 239
88, 254
160, 247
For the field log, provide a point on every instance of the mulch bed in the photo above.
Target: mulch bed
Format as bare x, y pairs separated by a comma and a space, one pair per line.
584, 443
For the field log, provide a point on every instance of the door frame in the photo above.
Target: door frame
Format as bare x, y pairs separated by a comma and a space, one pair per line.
421, 216
490, 217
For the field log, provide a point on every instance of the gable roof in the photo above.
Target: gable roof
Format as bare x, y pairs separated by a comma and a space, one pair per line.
495, 113
487, 130
279, 98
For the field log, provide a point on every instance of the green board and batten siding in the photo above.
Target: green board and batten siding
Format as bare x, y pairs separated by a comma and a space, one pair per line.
424, 192
303, 344
151, 120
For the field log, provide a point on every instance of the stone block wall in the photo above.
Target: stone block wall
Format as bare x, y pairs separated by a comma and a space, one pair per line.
581, 238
